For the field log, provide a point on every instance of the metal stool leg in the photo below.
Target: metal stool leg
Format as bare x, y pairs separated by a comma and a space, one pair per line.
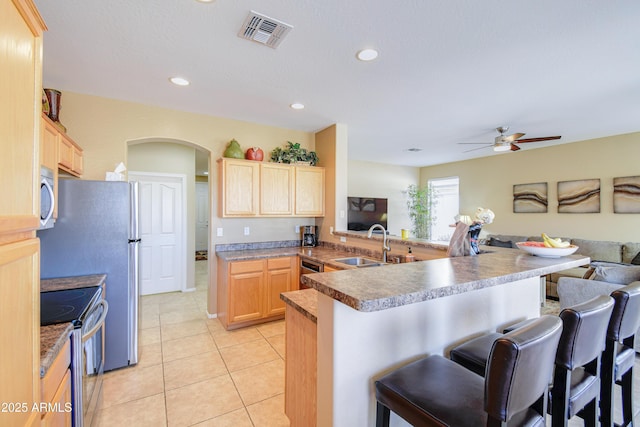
382, 415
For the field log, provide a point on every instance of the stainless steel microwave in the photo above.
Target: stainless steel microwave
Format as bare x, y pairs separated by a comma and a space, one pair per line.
47, 198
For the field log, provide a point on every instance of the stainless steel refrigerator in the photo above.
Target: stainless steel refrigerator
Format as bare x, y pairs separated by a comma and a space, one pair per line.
97, 233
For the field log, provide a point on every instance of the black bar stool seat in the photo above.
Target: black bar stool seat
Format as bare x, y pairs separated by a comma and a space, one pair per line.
576, 386
618, 357
435, 391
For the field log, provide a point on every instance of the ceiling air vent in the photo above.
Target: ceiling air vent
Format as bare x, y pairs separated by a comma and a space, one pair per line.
264, 30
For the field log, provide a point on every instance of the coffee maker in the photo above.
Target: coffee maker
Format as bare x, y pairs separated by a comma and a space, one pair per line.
309, 235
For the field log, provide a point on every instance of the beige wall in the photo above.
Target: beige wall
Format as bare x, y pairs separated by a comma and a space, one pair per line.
367, 179
171, 158
104, 127
488, 182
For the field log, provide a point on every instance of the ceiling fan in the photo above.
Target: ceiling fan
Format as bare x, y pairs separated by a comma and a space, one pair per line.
508, 142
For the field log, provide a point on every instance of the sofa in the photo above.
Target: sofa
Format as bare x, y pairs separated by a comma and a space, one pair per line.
603, 279
617, 252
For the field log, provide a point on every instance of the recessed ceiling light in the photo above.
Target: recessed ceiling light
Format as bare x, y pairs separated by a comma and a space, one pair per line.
367, 54
414, 150
297, 106
179, 81
206, 1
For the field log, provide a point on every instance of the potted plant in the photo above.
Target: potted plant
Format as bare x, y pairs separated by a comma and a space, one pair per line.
294, 154
421, 202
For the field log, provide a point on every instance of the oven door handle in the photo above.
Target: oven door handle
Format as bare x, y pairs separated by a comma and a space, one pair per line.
99, 323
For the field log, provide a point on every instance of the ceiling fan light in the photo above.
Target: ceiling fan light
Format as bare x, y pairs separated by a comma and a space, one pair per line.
502, 147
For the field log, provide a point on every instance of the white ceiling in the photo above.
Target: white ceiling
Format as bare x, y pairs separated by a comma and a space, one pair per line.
449, 71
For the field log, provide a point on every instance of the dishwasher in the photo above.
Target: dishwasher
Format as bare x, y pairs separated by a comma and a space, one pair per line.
308, 267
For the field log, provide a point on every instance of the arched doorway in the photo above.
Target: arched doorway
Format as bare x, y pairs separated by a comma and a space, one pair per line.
163, 157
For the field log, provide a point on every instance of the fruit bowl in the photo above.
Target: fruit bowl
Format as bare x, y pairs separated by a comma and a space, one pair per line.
538, 249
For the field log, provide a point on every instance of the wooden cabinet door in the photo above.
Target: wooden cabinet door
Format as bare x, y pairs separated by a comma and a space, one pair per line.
65, 153
20, 330
309, 191
239, 187
21, 89
49, 147
276, 189
280, 278
328, 269
246, 291
78, 165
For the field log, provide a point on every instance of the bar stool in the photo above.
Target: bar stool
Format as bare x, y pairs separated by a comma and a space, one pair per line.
576, 383
618, 357
435, 391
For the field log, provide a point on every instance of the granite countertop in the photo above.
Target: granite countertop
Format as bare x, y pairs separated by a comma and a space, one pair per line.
74, 282
305, 301
397, 240
380, 288
53, 337
321, 254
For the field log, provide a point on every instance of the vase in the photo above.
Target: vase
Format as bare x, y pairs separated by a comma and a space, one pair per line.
53, 96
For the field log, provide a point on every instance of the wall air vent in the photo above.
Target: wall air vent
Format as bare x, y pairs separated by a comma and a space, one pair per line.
264, 30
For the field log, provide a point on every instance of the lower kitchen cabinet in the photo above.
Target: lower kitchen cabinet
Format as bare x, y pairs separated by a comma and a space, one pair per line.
56, 390
249, 291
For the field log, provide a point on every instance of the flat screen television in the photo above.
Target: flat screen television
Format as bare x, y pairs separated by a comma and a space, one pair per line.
363, 212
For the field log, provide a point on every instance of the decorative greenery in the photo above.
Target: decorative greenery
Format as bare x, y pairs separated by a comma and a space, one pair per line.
421, 202
293, 153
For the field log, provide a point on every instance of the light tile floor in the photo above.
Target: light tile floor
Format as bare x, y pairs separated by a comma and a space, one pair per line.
192, 372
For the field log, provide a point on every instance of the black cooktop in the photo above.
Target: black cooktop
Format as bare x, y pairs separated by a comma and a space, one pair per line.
68, 305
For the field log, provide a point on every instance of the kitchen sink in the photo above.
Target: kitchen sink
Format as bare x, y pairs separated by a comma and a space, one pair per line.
360, 262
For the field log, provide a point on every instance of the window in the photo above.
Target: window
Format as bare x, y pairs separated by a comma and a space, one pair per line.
446, 192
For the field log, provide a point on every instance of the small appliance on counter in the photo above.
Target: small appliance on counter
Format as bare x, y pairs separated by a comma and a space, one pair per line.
309, 235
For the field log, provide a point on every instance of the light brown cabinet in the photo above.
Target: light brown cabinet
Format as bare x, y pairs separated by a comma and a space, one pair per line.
239, 187
309, 191
249, 291
69, 156
56, 390
257, 189
276, 189
21, 30
59, 151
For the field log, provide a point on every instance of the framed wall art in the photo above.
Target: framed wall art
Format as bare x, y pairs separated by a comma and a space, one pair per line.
581, 196
626, 194
530, 198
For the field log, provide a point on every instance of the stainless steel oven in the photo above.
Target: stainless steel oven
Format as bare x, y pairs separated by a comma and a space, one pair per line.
88, 361
86, 309
308, 267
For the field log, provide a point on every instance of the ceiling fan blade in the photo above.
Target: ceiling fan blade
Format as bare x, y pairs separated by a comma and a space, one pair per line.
546, 138
511, 138
514, 147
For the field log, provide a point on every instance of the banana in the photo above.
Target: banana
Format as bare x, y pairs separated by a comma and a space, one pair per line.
554, 243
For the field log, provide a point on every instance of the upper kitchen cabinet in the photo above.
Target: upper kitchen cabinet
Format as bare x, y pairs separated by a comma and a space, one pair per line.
59, 151
276, 189
21, 29
309, 191
21, 86
255, 189
239, 187
49, 148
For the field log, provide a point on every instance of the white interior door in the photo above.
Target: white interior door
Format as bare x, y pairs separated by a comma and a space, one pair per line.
202, 216
162, 233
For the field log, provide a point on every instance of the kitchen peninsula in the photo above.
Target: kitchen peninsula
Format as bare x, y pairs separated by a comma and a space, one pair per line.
370, 321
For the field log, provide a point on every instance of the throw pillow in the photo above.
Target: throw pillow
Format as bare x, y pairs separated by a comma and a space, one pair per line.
636, 259
621, 275
499, 243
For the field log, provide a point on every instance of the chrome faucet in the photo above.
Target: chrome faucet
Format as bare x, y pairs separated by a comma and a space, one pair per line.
385, 245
